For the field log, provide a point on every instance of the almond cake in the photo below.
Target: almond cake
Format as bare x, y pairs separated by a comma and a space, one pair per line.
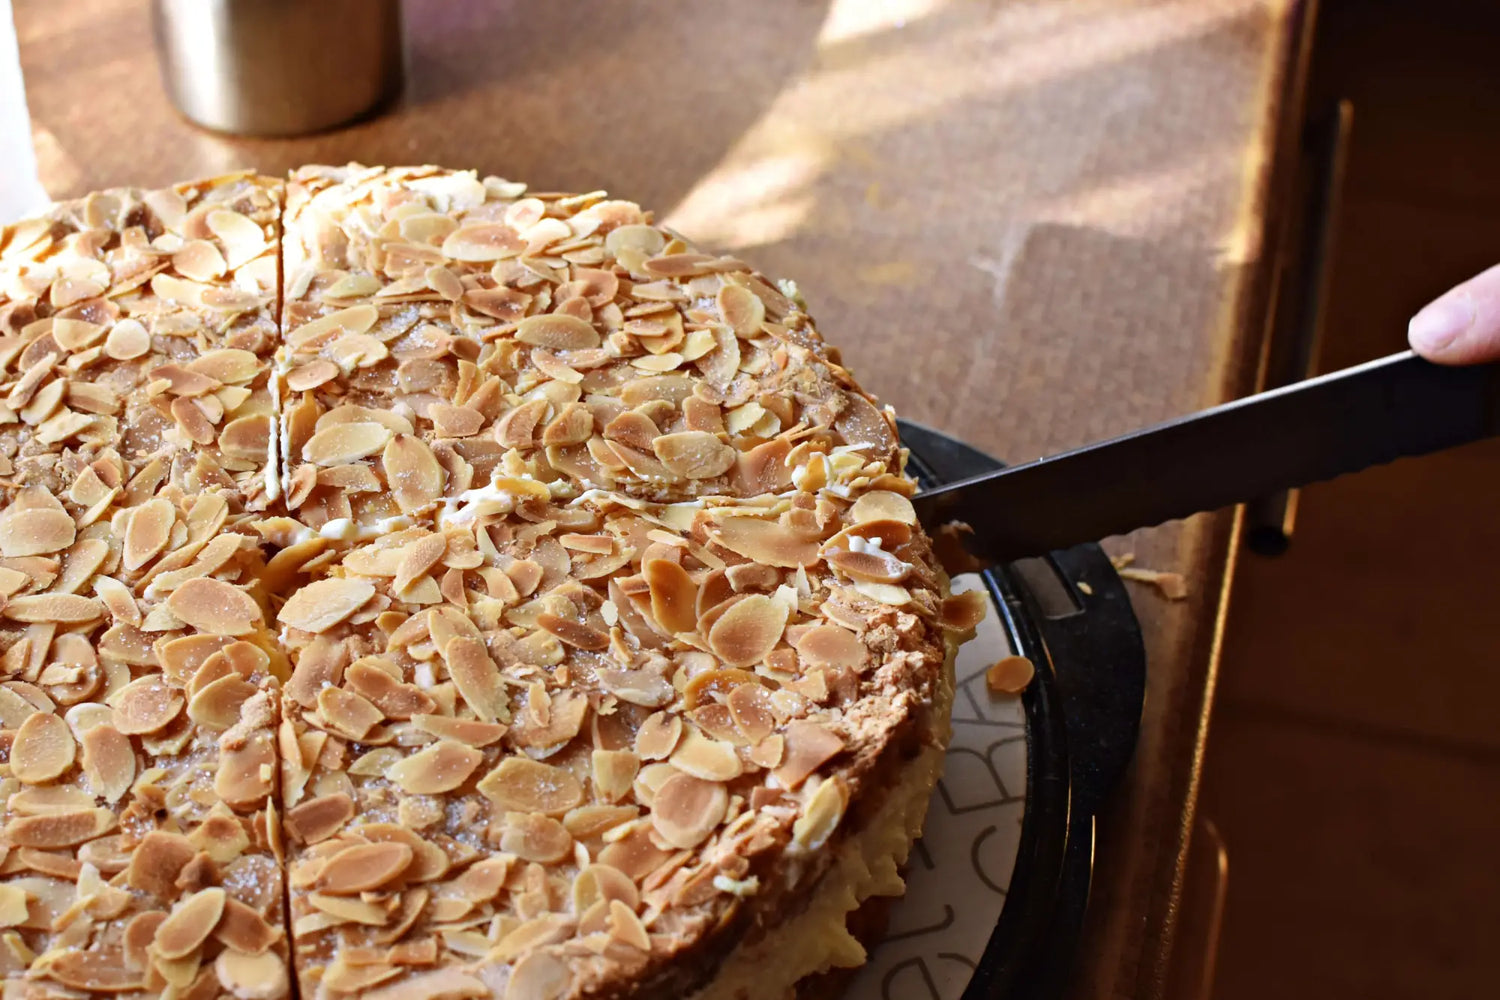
419, 588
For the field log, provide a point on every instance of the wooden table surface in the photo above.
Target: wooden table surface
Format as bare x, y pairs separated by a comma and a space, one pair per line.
1029, 224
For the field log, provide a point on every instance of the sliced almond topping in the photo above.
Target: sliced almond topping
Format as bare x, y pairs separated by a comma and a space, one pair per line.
742, 309
477, 678
215, 607
322, 604
961, 612
127, 340
417, 558
245, 772
658, 736
342, 443
391, 696
217, 704
874, 566
482, 243
574, 633
318, 819
348, 714
538, 976
244, 929
43, 749
59, 829
750, 629
157, 861
439, 768
685, 810
808, 746
614, 771
706, 758
674, 595
253, 977
536, 838
520, 784
750, 706
831, 646
146, 705
96, 970
363, 867
62, 609
190, 923
558, 332
626, 927
766, 542
883, 505
820, 817
694, 454
469, 732
35, 531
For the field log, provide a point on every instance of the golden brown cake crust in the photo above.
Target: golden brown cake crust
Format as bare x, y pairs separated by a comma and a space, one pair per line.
601, 613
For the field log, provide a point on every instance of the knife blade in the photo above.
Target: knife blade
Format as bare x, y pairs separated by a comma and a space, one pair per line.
1324, 427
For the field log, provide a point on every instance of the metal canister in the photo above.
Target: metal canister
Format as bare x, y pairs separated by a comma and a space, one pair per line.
278, 67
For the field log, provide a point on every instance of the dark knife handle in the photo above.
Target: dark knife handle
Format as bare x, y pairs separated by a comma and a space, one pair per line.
1303, 433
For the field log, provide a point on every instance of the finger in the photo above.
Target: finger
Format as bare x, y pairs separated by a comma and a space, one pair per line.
1462, 326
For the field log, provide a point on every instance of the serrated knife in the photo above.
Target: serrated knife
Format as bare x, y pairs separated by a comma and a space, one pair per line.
1303, 433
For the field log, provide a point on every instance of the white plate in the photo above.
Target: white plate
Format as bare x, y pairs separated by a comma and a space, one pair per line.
959, 871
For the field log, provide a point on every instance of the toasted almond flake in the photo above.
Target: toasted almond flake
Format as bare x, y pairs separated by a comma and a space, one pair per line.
520, 784
413, 472
145, 705
1009, 675
477, 678
95, 970
108, 762
558, 332
809, 745
658, 736
322, 604
148, 533
13, 910
190, 923
342, 443
766, 542
540, 839
685, 810
439, 768
157, 861
348, 714
242, 237
58, 829
821, 816
127, 340
35, 531
538, 976
750, 706
43, 749
613, 772
253, 977
245, 772
694, 454
626, 927
961, 612
318, 819
244, 929
883, 505
470, 732
831, 646
199, 260
574, 633
363, 867
743, 635
215, 607
706, 758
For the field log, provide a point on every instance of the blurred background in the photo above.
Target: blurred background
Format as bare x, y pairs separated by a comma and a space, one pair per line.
1035, 223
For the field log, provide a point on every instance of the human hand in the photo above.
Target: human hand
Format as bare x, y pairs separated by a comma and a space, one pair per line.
1461, 326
